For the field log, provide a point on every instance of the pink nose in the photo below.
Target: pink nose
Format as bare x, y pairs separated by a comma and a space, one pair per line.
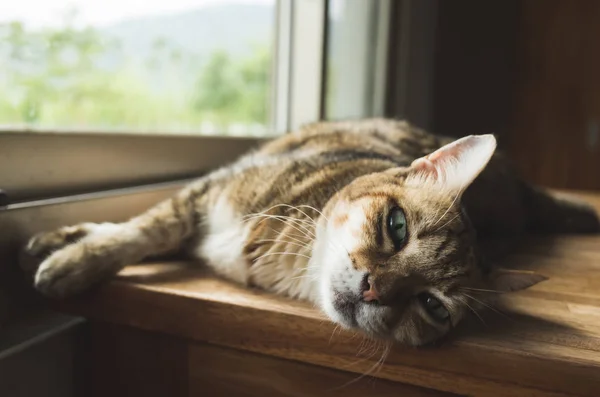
370, 294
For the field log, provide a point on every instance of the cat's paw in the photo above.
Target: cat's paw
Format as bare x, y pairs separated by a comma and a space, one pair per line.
78, 266
69, 271
43, 244
60, 274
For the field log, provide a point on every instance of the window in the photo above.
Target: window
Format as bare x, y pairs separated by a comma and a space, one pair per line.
122, 93
356, 58
179, 66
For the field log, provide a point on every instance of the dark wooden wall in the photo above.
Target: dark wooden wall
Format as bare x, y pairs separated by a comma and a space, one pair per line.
528, 71
557, 100
474, 66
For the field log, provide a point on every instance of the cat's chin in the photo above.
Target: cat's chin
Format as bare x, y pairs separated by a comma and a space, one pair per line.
340, 308
350, 312
345, 307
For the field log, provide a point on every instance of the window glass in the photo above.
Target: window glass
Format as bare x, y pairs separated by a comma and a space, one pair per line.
179, 66
355, 43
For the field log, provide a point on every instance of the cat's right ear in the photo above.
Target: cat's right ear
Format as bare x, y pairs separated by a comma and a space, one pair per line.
454, 166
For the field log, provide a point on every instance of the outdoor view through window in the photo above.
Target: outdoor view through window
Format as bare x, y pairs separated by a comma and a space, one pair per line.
179, 66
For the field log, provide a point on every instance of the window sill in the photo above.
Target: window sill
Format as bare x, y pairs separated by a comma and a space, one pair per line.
549, 346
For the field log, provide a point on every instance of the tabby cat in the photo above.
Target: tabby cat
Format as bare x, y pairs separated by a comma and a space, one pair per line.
374, 221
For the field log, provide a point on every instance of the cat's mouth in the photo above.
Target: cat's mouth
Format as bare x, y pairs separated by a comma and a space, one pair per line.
352, 312
345, 305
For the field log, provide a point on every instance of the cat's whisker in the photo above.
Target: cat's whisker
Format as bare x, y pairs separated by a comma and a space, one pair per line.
489, 307
337, 326
284, 221
281, 241
264, 214
332, 244
446, 224
372, 347
366, 345
474, 311
298, 221
482, 290
294, 237
458, 194
281, 253
306, 276
272, 208
309, 220
297, 208
384, 356
314, 209
378, 364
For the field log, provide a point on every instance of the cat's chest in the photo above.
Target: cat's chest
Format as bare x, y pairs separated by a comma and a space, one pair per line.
267, 253
221, 247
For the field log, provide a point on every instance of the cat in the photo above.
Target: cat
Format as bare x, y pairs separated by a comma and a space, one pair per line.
376, 222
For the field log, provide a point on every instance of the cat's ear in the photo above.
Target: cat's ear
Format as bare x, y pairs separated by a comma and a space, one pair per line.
505, 280
455, 166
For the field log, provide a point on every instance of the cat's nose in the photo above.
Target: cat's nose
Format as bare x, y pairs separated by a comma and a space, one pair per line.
369, 293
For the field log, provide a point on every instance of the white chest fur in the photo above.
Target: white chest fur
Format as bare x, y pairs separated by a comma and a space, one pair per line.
222, 246
283, 269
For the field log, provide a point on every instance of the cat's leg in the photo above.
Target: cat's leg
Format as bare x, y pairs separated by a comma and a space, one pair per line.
85, 254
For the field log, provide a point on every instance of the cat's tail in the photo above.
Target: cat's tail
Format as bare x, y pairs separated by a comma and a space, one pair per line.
553, 212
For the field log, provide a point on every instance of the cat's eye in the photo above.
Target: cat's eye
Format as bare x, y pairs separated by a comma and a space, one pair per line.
397, 227
434, 307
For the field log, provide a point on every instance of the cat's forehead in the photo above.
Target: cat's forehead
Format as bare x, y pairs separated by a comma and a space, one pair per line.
426, 210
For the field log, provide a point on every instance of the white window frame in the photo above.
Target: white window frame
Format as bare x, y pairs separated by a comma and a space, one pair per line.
361, 58
299, 49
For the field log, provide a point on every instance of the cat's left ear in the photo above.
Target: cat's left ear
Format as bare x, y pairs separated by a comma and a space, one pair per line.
506, 280
455, 166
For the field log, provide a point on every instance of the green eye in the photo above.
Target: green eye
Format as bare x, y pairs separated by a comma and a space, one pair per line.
434, 307
397, 227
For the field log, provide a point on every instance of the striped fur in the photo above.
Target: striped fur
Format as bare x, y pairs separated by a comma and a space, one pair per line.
304, 216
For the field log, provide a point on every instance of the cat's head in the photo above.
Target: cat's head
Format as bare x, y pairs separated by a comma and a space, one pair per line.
397, 253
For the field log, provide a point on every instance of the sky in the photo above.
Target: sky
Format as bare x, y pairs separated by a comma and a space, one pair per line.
42, 13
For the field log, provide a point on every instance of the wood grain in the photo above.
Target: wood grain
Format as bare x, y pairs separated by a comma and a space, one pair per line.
556, 139
228, 372
546, 341
124, 361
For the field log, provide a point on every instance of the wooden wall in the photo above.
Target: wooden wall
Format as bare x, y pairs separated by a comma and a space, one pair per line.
556, 138
528, 71
474, 66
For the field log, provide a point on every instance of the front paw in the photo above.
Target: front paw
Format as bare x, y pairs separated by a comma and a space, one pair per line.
43, 244
66, 272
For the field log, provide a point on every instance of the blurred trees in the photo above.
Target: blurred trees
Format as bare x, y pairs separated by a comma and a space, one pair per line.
77, 77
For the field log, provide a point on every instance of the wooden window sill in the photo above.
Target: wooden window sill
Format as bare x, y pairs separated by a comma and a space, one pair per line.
547, 342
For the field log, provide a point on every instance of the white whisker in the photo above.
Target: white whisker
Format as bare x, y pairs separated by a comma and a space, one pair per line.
488, 306
281, 253
283, 242
474, 311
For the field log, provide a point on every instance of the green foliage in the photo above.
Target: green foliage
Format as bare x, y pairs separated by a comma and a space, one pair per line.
226, 89
59, 78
